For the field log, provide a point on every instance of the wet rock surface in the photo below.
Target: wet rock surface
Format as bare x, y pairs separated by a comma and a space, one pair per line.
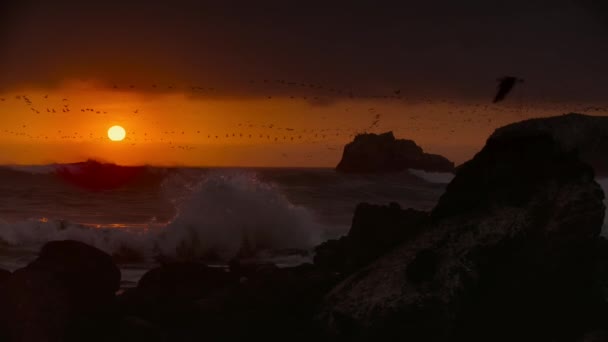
509, 255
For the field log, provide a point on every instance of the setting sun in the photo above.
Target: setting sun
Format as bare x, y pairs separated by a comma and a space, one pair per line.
116, 133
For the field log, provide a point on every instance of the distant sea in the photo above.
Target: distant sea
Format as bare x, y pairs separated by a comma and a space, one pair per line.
263, 214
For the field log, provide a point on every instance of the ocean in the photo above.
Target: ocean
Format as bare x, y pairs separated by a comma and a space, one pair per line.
210, 214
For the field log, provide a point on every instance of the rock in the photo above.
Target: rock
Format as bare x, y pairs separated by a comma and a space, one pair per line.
188, 301
380, 153
4, 275
509, 255
63, 295
375, 230
126, 255
165, 293
134, 329
36, 306
89, 273
595, 336
272, 306
586, 134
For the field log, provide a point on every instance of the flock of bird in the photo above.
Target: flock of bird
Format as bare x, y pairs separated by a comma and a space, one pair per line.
456, 116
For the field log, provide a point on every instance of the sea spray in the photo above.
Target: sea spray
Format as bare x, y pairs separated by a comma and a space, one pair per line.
230, 213
220, 215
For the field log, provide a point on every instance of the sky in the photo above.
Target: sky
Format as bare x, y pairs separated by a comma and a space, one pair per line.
285, 83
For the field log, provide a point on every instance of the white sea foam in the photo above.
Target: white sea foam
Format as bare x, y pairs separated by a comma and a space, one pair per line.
31, 234
221, 214
231, 211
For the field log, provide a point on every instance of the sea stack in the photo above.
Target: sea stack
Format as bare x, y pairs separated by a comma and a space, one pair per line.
382, 153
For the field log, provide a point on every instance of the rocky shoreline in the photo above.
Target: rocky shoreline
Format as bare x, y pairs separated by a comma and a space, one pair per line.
512, 252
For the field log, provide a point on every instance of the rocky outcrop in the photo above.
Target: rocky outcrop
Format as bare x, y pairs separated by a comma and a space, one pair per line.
4, 275
375, 230
69, 289
509, 255
585, 134
380, 153
191, 302
164, 292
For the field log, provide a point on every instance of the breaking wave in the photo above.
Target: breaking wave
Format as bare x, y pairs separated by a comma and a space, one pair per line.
220, 215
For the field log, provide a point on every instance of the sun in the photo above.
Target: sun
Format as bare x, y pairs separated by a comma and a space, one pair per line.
116, 133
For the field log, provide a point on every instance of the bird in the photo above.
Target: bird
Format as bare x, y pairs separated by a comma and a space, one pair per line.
505, 86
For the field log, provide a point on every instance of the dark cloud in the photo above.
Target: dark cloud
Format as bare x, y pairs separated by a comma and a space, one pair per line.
430, 48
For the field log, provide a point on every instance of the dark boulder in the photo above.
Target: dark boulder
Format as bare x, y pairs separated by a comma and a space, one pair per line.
510, 255
380, 153
167, 293
188, 301
587, 135
63, 295
89, 273
375, 230
4, 275
36, 306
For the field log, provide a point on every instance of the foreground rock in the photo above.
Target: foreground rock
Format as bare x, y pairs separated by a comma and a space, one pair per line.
377, 153
66, 294
193, 302
510, 256
375, 230
588, 135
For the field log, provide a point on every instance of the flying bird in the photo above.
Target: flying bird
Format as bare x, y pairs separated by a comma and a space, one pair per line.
505, 86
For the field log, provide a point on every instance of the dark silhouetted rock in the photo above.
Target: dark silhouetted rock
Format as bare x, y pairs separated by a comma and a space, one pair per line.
595, 336
379, 153
135, 329
61, 296
89, 273
36, 306
4, 275
164, 293
188, 301
586, 134
375, 230
510, 255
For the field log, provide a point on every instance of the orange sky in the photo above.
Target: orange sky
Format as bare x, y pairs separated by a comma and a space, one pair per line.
208, 68
179, 128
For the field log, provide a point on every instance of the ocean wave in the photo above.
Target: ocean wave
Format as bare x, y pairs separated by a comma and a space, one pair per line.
34, 169
233, 213
221, 216
33, 233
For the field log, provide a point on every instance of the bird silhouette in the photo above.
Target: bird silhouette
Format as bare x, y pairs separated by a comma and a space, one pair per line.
505, 86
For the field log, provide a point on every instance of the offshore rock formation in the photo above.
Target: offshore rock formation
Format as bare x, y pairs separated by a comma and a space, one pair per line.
510, 255
379, 153
585, 134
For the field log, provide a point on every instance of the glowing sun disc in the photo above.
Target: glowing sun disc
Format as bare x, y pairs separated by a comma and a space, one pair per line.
116, 133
